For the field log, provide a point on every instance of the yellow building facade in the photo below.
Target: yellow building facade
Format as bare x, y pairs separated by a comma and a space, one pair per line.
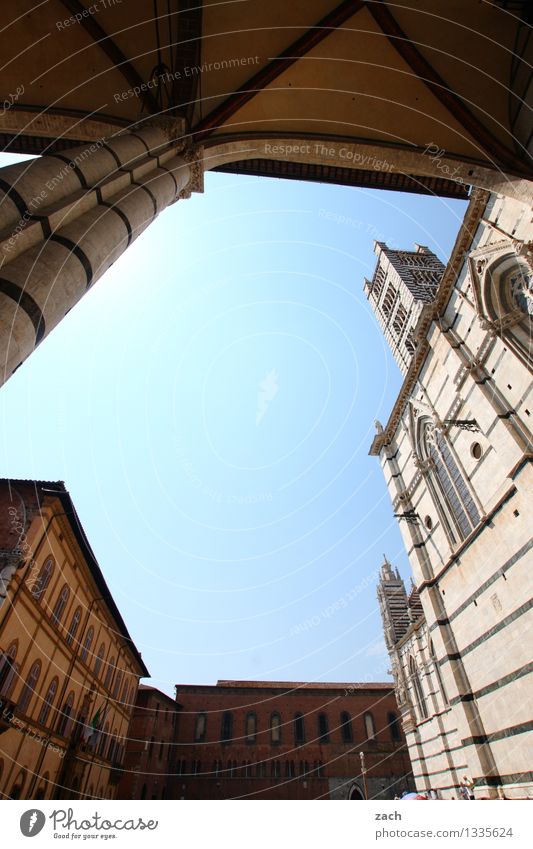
69, 671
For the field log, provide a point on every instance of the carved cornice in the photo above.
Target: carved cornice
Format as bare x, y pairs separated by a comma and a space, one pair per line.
174, 128
195, 157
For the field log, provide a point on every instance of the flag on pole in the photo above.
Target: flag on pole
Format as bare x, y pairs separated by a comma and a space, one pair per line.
92, 731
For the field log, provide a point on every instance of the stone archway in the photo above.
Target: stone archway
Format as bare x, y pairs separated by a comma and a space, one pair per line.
355, 793
428, 163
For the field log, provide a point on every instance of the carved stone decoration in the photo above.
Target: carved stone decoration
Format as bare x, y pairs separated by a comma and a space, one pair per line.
524, 250
420, 464
175, 129
195, 157
479, 261
488, 326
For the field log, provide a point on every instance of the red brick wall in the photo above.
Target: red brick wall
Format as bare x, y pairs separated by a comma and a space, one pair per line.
386, 760
148, 763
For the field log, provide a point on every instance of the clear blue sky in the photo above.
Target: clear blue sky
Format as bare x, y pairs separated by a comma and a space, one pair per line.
210, 406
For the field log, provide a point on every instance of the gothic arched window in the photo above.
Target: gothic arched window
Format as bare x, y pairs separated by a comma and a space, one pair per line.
299, 729
370, 728
420, 699
438, 672
399, 320
450, 489
226, 731
323, 728
346, 727
394, 727
275, 728
508, 301
388, 301
251, 727
199, 731
410, 343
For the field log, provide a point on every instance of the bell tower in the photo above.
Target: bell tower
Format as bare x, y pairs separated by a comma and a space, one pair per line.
402, 283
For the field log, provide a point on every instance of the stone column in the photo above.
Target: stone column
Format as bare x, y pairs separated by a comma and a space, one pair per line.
66, 218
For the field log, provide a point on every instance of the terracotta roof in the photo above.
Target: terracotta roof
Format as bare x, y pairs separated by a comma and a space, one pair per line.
156, 691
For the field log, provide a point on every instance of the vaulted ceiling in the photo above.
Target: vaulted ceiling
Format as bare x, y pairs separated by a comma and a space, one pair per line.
397, 76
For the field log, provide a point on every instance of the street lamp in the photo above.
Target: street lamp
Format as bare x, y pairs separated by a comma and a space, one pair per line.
363, 773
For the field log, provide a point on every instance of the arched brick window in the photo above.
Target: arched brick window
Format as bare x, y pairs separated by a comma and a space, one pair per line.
65, 717
87, 644
346, 727
370, 728
109, 673
8, 671
226, 731
60, 605
48, 701
29, 687
99, 659
74, 625
251, 727
323, 728
38, 587
275, 728
299, 729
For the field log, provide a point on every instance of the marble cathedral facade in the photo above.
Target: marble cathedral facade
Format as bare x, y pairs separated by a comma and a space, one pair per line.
456, 455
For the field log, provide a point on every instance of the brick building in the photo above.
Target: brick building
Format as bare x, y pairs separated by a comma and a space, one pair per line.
69, 669
289, 740
149, 760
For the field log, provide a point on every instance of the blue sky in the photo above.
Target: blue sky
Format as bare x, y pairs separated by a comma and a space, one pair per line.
210, 406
